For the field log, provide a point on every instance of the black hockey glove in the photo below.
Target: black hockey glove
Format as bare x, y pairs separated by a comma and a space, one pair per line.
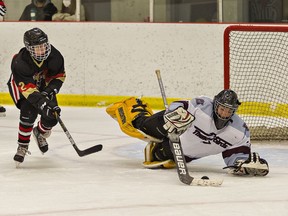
49, 93
48, 108
254, 166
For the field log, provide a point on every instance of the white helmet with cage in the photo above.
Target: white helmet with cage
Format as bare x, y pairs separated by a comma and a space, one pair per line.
36, 42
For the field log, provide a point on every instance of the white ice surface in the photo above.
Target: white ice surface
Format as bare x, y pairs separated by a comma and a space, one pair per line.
113, 182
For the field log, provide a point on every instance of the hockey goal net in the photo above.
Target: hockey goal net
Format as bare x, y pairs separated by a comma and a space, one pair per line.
256, 68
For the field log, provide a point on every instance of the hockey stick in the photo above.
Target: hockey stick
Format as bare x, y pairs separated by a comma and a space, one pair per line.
179, 158
81, 153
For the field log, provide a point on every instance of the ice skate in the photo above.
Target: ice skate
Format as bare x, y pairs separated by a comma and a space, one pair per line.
41, 139
2, 111
20, 154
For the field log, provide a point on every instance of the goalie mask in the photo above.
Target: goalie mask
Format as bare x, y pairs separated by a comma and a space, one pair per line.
36, 42
225, 105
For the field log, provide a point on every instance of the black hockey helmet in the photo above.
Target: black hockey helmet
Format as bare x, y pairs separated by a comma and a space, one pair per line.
36, 42
225, 104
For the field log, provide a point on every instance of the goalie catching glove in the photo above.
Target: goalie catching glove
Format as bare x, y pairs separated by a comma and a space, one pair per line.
254, 166
178, 121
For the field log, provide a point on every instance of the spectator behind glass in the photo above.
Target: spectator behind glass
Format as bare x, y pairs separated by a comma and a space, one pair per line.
39, 10
2, 10
68, 12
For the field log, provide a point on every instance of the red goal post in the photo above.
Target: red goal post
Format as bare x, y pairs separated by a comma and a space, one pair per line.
256, 68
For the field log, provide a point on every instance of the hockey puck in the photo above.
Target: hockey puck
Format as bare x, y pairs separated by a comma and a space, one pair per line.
205, 177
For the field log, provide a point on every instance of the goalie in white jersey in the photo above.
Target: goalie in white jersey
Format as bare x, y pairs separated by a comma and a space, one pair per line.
205, 126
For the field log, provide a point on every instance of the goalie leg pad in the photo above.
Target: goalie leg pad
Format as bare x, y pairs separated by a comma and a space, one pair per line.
167, 164
126, 111
155, 157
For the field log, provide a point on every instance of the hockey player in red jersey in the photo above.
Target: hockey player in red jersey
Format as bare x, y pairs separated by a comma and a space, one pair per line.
37, 76
205, 127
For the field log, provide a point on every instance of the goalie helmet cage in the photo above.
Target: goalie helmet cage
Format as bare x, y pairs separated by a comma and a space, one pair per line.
256, 67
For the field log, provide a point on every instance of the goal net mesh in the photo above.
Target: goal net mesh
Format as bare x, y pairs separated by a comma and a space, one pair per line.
256, 68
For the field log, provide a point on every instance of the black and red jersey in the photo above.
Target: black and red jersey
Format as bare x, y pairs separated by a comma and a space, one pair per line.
29, 77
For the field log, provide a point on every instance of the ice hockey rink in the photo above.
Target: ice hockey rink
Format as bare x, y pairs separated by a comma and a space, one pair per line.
113, 182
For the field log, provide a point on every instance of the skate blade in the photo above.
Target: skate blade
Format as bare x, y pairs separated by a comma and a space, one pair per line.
17, 164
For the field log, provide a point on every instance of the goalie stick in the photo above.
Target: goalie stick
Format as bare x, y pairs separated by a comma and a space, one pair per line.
81, 153
179, 158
